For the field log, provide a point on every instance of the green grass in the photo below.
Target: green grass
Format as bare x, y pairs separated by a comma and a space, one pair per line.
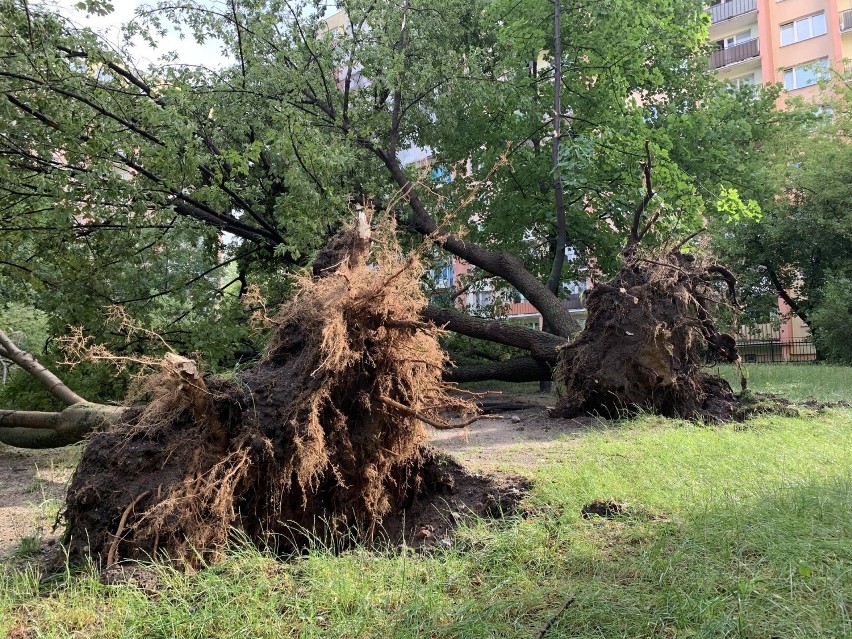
730, 531
796, 382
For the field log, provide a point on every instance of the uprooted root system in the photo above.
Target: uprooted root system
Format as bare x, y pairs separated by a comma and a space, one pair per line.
649, 335
323, 439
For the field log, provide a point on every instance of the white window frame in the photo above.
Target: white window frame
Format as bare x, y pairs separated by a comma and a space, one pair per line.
803, 28
735, 39
792, 73
744, 80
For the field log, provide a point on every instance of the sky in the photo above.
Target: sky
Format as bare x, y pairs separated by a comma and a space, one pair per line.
189, 51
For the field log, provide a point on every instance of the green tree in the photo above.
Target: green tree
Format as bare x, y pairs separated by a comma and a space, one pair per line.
801, 248
186, 174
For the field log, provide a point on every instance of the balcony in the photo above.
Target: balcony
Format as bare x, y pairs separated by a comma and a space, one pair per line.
737, 53
846, 20
727, 10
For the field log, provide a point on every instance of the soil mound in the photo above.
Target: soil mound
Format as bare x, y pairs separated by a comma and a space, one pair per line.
649, 336
323, 439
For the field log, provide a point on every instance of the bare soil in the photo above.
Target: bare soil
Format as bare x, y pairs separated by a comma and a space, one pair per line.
32, 488
33, 483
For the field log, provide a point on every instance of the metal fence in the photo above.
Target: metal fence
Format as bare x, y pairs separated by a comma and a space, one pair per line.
765, 344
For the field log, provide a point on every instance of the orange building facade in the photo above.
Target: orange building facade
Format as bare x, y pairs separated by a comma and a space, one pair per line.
786, 41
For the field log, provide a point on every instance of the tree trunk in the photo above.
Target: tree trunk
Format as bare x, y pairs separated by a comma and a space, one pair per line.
519, 369
35, 429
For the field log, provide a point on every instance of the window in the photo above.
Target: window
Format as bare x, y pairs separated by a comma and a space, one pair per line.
805, 75
802, 29
743, 80
737, 38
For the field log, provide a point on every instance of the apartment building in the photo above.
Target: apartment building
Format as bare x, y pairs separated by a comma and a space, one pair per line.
786, 41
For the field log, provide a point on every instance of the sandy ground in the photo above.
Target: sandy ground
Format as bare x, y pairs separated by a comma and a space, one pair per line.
508, 445
32, 487
33, 483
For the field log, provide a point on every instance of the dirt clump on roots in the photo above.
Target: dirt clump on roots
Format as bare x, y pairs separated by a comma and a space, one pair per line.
649, 337
323, 439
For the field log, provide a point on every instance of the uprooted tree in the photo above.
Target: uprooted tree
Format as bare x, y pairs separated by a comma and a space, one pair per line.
109, 170
323, 437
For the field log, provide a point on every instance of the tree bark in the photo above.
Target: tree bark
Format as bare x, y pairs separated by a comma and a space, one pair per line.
499, 263
539, 344
519, 369
29, 363
35, 429
555, 278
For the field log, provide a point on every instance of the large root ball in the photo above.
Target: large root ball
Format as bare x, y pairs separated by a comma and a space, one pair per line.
323, 438
649, 335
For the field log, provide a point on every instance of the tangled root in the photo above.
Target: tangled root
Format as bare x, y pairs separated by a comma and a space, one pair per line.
322, 438
649, 334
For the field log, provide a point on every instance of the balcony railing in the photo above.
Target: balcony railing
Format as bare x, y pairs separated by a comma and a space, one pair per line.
727, 10
846, 20
737, 53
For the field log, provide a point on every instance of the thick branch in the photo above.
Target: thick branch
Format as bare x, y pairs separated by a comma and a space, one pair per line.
34, 429
729, 278
436, 423
540, 344
502, 264
785, 295
635, 234
559, 258
29, 363
519, 369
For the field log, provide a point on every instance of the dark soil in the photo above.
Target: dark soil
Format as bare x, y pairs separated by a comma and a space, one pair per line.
607, 509
648, 338
323, 440
430, 520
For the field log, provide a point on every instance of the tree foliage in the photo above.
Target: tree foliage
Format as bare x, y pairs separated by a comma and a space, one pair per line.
800, 248
209, 180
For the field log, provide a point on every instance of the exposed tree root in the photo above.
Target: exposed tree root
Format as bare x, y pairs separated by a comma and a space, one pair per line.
648, 337
323, 438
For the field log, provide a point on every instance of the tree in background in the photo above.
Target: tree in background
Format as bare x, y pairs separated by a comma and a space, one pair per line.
209, 181
801, 248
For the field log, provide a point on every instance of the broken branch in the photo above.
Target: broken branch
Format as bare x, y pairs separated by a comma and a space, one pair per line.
29, 363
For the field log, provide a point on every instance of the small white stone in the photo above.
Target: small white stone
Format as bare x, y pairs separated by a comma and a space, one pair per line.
516, 419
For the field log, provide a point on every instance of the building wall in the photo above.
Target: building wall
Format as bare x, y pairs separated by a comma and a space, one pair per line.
763, 20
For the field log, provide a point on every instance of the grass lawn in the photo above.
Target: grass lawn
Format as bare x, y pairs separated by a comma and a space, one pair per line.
728, 531
796, 382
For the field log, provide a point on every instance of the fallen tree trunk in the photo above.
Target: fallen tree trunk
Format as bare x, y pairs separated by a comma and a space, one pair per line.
36, 429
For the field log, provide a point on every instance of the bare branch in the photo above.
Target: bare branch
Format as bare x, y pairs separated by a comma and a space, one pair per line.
635, 235
29, 363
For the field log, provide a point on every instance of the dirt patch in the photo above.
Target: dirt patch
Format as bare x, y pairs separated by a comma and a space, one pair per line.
32, 489
605, 508
429, 521
519, 445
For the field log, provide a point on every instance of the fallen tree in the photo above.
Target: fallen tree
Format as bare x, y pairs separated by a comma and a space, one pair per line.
39, 429
323, 438
276, 146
